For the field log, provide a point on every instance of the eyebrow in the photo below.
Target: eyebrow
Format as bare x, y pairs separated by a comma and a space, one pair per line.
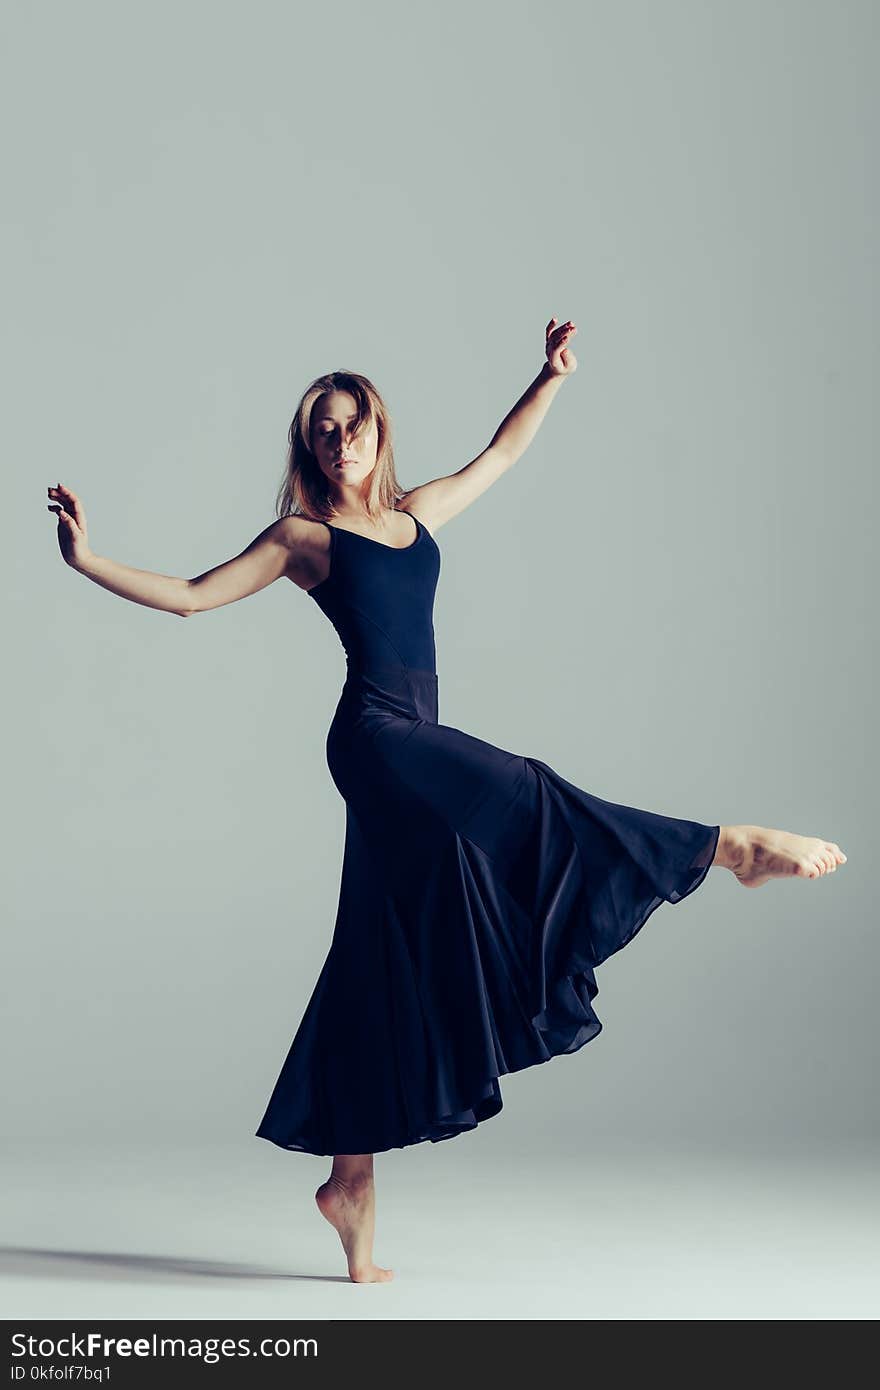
330, 417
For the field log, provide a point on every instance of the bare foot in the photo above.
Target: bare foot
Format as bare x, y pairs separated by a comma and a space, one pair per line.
351, 1207
755, 854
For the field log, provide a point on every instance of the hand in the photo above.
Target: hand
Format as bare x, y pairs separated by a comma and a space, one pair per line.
560, 358
73, 537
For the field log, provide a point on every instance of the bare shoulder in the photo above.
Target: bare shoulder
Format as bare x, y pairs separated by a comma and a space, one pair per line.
418, 503
295, 531
308, 544
440, 499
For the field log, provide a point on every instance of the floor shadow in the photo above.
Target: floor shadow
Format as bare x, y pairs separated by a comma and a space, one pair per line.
41, 1262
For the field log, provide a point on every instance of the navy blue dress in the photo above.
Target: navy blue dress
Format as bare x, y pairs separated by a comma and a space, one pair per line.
479, 889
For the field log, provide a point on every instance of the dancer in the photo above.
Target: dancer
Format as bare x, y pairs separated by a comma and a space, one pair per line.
479, 889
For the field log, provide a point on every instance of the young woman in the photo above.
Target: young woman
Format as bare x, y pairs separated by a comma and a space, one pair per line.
479, 888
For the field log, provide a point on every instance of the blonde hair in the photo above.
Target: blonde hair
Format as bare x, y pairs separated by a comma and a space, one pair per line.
304, 490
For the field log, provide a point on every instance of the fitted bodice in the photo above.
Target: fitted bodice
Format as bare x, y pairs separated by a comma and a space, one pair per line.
380, 599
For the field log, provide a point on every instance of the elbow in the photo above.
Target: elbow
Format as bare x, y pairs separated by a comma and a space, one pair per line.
187, 607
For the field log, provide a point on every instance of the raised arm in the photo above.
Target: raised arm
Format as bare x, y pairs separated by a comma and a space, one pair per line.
284, 545
441, 499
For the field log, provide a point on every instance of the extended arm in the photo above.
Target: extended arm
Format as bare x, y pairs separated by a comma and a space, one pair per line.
442, 498
264, 560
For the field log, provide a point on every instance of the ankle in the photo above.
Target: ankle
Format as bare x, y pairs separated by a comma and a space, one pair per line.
353, 1184
733, 843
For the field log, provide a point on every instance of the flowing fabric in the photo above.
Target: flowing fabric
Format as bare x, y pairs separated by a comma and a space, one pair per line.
479, 890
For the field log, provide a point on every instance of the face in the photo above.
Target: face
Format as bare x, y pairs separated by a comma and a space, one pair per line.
345, 461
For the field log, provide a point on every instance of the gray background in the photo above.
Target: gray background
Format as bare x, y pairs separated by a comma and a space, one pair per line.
669, 598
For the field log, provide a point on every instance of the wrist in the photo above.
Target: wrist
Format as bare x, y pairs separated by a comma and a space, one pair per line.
547, 373
85, 564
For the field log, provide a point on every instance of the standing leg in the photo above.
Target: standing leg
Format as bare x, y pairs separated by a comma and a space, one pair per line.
755, 854
348, 1200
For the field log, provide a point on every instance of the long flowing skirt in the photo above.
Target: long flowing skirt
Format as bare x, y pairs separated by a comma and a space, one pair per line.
479, 892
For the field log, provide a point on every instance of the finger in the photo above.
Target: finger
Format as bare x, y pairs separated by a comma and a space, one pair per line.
72, 503
549, 326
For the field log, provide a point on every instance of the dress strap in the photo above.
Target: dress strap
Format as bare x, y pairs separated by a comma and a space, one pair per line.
321, 582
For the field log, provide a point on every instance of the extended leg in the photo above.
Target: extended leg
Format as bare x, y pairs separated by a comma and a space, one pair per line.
348, 1200
754, 854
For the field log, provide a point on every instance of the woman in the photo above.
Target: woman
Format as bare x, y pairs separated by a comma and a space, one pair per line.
479, 888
